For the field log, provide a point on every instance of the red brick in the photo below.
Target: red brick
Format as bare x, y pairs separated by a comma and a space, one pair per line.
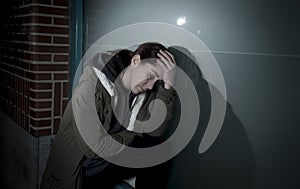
48, 29
49, 67
38, 76
46, 76
65, 89
22, 11
26, 106
26, 89
60, 58
10, 62
26, 125
49, 10
22, 119
61, 21
23, 106
16, 90
17, 87
10, 50
43, 132
38, 19
34, 104
23, 66
20, 72
40, 123
61, 2
48, 49
47, 2
39, 38
20, 101
19, 116
24, 47
61, 40
20, 37
37, 114
56, 125
34, 85
37, 57
57, 99
13, 115
61, 76
9, 109
40, 95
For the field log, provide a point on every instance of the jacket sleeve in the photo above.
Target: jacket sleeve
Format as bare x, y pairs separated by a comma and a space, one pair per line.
92, 137
168, 97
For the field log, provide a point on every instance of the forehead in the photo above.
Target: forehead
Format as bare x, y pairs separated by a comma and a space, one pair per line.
150, 66
149, 61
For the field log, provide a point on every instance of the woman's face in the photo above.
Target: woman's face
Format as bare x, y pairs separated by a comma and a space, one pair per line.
143, 75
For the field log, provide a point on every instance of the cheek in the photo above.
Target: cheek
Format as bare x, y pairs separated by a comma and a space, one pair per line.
138, 81
136, 78
149, 84
139, 77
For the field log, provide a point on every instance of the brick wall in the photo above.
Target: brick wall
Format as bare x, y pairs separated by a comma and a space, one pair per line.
34, 63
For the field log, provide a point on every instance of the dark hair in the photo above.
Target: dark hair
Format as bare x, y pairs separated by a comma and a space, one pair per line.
117, 63
122, 58
149, 50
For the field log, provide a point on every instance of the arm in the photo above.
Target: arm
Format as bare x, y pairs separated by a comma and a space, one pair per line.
165, 91
154, 116
168, 96
88, 125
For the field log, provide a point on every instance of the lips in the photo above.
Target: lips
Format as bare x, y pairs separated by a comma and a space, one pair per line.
138, 89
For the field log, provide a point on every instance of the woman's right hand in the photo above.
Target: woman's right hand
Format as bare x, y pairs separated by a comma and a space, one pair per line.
168, 64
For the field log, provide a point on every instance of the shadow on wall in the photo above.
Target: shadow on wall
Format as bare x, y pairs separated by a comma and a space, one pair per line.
229, 162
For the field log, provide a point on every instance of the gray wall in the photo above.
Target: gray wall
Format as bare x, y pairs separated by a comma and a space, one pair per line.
257, 46
23, 156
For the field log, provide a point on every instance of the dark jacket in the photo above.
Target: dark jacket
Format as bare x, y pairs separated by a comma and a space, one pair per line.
64, 167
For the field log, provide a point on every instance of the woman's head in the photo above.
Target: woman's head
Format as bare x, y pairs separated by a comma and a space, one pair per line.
143, 70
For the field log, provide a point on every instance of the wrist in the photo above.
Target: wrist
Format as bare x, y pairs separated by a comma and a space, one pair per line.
167, 85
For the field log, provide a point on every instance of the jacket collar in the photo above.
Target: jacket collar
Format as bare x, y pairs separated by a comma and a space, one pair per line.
108, 85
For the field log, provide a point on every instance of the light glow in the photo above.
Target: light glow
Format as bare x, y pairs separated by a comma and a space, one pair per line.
181, 21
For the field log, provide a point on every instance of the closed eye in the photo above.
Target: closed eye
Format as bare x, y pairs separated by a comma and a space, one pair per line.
150, 76
155, 73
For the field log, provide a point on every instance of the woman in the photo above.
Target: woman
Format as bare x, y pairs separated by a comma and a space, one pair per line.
128, 81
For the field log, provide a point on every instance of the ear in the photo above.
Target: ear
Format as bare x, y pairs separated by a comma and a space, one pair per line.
135, 59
